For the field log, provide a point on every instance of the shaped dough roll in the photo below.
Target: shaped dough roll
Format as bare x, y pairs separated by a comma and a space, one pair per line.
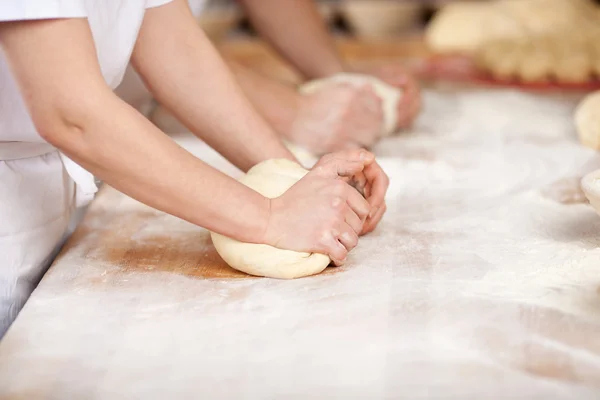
587, 121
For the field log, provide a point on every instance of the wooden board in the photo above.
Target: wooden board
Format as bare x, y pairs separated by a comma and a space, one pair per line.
257, 55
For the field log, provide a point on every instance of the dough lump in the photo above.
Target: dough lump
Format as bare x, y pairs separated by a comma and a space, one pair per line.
389, 95
270, 178
529, 40
587, 121
591, 187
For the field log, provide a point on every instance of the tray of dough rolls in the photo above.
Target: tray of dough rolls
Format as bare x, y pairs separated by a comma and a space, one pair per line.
529, 44
463, 68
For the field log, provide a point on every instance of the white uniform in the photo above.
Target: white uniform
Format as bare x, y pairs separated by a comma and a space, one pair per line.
40, 188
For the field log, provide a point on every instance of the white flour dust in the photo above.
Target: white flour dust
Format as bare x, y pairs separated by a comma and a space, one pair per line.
482, 279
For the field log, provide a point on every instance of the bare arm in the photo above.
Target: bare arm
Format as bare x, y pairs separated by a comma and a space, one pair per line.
55, 64
185, 73
297, 31
277, 102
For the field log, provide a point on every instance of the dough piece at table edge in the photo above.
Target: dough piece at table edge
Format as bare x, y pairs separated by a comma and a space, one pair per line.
270, 178
587, 121
389, 95
590, 184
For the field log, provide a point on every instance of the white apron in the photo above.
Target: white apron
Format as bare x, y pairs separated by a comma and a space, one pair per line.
39, 187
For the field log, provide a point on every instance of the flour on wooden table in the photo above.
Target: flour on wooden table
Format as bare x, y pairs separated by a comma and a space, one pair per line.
481, 280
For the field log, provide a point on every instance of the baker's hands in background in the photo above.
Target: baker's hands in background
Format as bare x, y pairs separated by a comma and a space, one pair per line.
322, 213
295, 29
337, 117
396, 75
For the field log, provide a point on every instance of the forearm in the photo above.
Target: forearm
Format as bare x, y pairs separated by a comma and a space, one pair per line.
132, 155
297, 31
277, 102
73, 109
187, 76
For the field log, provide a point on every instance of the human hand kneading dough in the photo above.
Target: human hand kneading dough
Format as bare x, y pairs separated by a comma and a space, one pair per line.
338, 117
322, 213
410, 103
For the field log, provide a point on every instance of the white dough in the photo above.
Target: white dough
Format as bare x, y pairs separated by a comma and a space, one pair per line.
271, 179
591, 187
389, 95
587, 121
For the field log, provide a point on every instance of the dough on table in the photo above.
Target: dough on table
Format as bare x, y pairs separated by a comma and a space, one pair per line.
389, 95
531, 40
270, 178
587, 121
591, 187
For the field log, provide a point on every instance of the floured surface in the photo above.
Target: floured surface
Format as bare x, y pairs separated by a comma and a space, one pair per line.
482, 282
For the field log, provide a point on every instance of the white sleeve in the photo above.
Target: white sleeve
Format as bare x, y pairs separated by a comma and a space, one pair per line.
156, 3
19, 10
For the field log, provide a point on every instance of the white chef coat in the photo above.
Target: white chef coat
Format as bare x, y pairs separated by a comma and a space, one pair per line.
38, 185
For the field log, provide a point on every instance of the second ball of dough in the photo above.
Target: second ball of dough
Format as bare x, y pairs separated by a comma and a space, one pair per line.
587, 121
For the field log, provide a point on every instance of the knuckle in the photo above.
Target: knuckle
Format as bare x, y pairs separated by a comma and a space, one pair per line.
337, 202
351, 239
338, 253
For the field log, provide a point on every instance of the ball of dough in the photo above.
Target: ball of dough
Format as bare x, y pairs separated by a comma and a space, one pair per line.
591, 187
389, 95
270, 178
587, 121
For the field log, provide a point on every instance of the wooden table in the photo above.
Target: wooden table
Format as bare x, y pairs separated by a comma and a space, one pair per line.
257, 55
482, 282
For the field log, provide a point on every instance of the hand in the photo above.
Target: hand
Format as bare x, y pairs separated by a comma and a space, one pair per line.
338, 117
396, 75
322, 213
377, 183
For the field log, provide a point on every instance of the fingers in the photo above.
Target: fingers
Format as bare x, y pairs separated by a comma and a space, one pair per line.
344, 163
358, 182
369, 107
357, 203
341, 241
372, 222
348, 237
409, 105
335, 250
378, 183
354, 221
